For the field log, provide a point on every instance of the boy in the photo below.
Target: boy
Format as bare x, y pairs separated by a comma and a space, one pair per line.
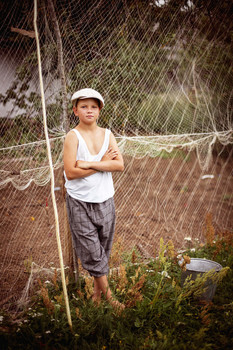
91, 155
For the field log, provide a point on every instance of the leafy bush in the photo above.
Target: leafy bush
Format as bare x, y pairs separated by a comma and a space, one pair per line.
172, 113
159, 313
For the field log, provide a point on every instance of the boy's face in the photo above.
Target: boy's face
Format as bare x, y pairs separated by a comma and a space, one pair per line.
87, 110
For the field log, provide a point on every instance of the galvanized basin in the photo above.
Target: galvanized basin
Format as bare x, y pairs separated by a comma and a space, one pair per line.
197, 267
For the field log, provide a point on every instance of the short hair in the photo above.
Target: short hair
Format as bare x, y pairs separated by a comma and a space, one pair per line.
75, 102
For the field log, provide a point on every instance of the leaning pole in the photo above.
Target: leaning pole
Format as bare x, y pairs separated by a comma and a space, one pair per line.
51, 168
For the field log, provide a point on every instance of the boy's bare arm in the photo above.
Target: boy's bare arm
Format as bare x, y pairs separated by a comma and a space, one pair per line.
71, 168
111, 161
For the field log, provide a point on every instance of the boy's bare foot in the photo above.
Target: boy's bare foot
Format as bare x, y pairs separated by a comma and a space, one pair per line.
96, 299
116, 304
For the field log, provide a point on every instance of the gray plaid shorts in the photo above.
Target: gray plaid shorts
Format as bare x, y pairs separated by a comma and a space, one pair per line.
92, 227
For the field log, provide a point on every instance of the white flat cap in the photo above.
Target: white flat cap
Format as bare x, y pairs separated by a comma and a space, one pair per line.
87, 93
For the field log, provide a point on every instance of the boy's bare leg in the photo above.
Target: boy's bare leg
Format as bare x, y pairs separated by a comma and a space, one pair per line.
101, 286
97, 292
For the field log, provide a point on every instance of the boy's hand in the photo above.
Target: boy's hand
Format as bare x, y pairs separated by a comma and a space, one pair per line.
82, 164
109, 155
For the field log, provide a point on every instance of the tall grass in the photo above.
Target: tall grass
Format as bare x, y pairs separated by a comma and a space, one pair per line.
159, 313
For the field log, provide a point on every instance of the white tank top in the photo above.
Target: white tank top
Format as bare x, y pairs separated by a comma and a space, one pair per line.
97, 187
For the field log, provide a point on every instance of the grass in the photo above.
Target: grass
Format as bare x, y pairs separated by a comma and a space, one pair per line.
159, 313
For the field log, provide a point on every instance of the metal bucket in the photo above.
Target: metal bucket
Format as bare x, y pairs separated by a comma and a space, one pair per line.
199, 267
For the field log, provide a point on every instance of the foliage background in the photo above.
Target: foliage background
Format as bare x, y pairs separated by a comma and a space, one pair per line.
163, 69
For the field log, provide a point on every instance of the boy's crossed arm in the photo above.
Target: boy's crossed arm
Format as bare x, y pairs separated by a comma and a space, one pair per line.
111, 161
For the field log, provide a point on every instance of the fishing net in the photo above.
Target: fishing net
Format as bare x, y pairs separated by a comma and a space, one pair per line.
165, 71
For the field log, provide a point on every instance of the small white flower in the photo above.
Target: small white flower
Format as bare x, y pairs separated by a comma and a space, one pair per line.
74, 297
188, 239
165, 274
47, 282
1, 318
48, 332
192, 250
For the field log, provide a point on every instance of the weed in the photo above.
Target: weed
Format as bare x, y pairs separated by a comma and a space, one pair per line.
28, 264
159, 313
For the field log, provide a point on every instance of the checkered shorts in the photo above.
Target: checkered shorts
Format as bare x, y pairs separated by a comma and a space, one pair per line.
92, 226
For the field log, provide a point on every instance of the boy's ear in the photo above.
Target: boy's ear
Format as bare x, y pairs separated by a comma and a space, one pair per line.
75, 110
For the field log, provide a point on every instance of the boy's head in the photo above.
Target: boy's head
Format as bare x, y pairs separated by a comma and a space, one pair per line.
87, 93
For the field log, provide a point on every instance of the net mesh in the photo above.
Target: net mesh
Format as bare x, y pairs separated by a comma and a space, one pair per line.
165, 71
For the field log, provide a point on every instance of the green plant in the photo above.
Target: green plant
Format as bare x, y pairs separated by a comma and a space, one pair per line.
159, 313
28, 264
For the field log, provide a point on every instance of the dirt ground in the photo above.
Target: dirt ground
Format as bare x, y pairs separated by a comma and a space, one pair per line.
155, 198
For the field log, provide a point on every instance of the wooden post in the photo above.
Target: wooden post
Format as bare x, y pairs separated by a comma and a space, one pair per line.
51, 169
69, 256
69, 251
64, 119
